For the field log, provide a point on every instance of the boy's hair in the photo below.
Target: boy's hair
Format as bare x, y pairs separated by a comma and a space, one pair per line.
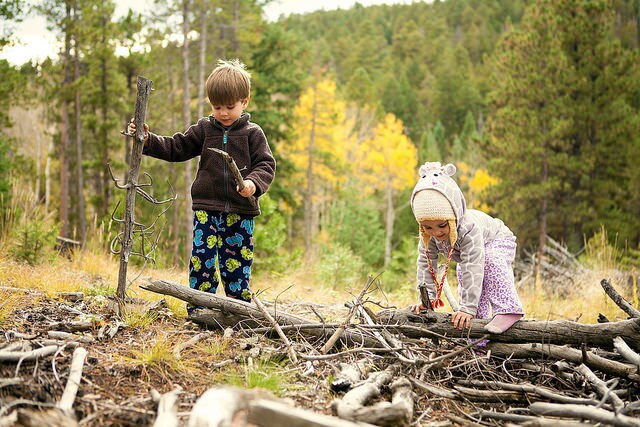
228, 83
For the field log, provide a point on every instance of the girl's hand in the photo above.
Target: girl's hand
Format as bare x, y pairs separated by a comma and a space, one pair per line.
249, 188
417, 308
461, 320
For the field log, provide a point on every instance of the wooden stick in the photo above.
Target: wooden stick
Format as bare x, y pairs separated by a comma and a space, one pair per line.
625, 351
235, 172
340, 330
290, 350
583, 412
601, 388
618, 299
19, 356
71, 389
178, 348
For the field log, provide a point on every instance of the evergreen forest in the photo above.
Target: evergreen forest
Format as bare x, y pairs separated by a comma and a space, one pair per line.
536, 102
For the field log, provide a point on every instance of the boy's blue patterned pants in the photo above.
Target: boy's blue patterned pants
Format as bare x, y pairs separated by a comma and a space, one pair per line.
221, 241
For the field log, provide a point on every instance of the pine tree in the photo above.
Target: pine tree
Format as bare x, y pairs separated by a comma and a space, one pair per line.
527, 148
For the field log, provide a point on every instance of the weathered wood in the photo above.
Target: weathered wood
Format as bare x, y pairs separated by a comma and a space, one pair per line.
524, 331
525, 351
618, 299
403, 395
352, 406
65, 404
340, 330
625, 351
599, 386
583, 412
167, 408
272, 413
540, 391
20, 356
59, 335
231, 406
290, 350
142, 98
225, 312
237, 177
193, 340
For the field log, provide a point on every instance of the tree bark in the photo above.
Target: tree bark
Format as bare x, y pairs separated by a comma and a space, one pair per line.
82, 222
65, 127
524, 331
186, 112
142, 98
225, 312
309, 228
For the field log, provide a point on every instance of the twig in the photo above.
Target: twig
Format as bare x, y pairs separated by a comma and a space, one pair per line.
599, 386
350, 351
586, 412
340, 330
290, 350
20, 356
178, 348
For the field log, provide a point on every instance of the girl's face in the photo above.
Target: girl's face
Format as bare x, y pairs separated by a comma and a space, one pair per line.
227, 114
436, 228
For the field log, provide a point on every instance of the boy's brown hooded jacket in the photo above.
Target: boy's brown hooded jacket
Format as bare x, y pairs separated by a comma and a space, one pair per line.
214, 188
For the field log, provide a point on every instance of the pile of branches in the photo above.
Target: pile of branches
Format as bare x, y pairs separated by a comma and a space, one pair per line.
389, 368
396, 368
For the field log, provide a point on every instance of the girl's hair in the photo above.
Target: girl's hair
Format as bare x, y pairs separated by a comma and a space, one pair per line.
228, 83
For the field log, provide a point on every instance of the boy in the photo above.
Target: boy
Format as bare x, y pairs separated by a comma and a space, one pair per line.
223, 216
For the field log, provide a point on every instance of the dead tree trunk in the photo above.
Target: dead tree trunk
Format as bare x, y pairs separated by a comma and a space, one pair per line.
142, 98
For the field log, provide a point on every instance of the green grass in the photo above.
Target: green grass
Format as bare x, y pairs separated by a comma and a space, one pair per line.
263, 375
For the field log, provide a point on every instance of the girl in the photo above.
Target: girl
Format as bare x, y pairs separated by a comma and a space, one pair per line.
483, 247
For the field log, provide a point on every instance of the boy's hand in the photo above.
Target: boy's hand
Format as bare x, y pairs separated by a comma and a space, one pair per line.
461, 320
417, 308
131, 129
249, 188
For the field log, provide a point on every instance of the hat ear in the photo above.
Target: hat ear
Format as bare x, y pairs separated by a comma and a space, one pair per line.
449, 169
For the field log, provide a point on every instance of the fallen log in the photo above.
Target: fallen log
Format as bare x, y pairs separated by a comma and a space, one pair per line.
222, 313
524, 331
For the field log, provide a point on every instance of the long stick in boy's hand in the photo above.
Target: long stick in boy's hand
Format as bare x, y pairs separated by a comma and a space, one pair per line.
236, 173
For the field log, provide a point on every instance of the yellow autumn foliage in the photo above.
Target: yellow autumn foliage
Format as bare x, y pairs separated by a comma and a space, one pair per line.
388, 160
321, 143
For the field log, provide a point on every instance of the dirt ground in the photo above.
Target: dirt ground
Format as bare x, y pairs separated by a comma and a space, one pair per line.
127, 359
120, 372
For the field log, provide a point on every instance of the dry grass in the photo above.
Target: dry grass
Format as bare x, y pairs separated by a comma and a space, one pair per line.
95, 273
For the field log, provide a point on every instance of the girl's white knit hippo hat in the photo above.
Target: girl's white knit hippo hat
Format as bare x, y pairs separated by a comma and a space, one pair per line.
430, 204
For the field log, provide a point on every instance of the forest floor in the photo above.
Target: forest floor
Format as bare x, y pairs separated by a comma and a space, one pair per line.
120, 371
146, 350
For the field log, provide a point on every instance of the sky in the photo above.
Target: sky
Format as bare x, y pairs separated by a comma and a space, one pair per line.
34, 42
